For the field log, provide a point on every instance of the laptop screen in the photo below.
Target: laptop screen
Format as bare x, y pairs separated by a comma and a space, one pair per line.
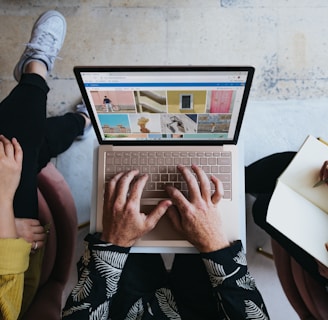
165, 104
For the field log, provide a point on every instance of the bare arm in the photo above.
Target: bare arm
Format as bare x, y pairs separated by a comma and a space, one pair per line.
11, 156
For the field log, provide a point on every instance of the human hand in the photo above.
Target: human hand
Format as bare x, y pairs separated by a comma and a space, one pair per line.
324, 172
198, 218
32, 231
11, 156
123, 223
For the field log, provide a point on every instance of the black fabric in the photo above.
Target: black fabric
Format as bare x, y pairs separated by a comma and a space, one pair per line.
23, 116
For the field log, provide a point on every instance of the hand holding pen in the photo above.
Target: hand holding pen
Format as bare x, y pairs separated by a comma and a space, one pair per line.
323, 175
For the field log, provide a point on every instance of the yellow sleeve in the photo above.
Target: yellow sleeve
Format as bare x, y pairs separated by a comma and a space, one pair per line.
13, 263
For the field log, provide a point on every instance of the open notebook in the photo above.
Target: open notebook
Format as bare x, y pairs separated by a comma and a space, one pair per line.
299, 210
162, 116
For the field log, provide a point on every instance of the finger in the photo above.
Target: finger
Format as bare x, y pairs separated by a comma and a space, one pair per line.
177, 197
7, 147
36, 245
123, 186
174, 215
219, 191
111, 185
18, 151
39, 230
204, 182
39, 237
137, 188
110, 188
324, 171
40, 244
156, 214
191, 181
32, 222
2, 149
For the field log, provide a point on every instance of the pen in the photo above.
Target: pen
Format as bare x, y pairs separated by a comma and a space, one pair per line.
323, 141
319, 183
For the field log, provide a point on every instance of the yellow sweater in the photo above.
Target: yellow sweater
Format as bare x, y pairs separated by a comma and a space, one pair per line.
13, 263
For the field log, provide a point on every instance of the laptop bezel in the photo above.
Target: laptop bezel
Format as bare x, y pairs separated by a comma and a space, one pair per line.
249, 69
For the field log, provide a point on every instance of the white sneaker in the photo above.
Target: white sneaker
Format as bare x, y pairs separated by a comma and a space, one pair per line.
47, 38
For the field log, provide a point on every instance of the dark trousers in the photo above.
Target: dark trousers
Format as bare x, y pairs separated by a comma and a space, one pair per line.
188, 280
23, 116
260, 180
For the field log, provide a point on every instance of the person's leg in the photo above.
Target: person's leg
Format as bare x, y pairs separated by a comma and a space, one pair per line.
261, 176
23, 112
192, 289
25, 117
22, 115
61, 132
141, 276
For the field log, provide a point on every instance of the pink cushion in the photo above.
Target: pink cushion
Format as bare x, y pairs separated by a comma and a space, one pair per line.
312, 292
51, 245
57, 207
307, 296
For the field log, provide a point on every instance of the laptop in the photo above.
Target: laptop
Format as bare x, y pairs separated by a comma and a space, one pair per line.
163, 116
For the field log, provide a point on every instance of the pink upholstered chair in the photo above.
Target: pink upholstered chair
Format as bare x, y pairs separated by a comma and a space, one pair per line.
56, 205
307, 296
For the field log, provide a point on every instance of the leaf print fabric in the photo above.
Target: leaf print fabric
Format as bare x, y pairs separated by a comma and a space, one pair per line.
167, 304
236, 290
100, 271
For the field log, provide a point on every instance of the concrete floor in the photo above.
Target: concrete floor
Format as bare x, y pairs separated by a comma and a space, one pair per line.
268, 126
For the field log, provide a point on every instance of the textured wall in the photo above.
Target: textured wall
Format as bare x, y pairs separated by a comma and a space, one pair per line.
284, 40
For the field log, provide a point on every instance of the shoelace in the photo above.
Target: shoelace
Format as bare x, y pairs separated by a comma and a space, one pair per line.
45, 39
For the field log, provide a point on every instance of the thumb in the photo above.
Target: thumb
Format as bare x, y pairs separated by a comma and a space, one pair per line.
174, 216
156, 214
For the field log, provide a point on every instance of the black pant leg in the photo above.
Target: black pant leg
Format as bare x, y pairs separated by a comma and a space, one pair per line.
261, 176
22, 115
61, 131
142, 275
192, 289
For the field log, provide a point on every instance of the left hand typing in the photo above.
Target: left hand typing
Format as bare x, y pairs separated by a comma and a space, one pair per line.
123, 223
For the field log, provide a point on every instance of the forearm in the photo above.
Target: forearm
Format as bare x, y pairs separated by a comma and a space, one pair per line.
99, 272
7, 220
235, 289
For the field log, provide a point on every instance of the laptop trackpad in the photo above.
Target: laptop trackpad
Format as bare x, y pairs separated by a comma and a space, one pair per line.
164, 229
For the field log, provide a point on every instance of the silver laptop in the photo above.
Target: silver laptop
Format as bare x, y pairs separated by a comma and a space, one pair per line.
155, 117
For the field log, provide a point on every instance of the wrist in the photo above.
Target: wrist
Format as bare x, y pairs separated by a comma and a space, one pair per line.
213, 245
116, 241
7, 221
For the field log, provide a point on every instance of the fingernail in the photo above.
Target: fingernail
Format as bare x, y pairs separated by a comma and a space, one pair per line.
221, 189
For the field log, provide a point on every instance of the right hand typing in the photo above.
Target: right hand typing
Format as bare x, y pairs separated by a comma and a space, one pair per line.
197, 218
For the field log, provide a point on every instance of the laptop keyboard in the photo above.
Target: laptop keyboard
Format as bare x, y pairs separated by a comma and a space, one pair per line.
161, 167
